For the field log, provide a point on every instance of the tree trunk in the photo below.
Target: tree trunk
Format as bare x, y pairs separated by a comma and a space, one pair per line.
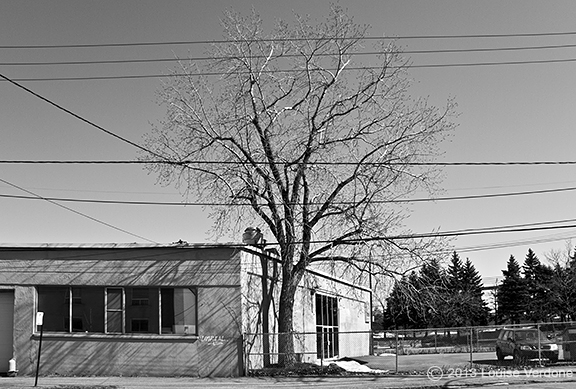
287, 356
290, 281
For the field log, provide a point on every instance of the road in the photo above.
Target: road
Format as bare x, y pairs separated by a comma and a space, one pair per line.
444, 370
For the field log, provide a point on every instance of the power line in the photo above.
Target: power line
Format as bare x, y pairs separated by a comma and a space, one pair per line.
508, 244
317, 163
453, 233
225, 41
37, 196
210, 58
209, 74
529, 227
13, 82
205, 204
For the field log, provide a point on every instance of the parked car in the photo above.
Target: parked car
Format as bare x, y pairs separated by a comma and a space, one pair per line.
522, 344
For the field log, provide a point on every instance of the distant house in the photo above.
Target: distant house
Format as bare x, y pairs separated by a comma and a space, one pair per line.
165, 310
489, 291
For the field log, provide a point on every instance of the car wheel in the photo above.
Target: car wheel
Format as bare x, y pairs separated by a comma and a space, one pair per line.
554, 359
499, 354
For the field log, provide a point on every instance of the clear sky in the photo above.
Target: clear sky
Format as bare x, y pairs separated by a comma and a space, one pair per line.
508, 112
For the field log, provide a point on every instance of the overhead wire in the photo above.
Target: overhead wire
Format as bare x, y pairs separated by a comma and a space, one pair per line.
210, 58
146, 76
362, 68
93, 125
174, 74
224, 41
75, 211
60, 107
312, 163
204, 204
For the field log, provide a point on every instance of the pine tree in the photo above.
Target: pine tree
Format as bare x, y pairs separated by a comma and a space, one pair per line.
512, 293
404, 307
530, 269
476, 307
455, 308
562, 293
454, 273
433, 293
537, 278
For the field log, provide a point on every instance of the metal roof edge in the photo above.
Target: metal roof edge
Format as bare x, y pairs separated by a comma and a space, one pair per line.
36, 246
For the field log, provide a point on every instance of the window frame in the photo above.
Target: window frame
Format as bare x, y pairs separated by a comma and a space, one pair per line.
327, 326
108, 310
126, 296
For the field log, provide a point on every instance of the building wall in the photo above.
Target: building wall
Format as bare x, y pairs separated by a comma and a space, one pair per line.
353, 313
228, 283
214, 272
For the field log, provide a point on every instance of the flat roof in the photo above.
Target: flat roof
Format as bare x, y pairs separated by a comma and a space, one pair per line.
180, 244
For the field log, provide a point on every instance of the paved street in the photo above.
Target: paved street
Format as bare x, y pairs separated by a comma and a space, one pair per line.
318, 382
455, 373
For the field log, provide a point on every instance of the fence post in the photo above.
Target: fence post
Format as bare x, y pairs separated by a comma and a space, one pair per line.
471, 329
539, 345
396, 333
322, 348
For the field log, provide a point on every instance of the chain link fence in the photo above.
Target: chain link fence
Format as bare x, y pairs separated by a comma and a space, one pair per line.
395, 350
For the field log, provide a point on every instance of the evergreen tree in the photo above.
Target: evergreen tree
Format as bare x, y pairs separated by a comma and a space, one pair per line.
395, 313
562, 293
404, 306
544, 277
465, 305
454, 273
432, 274
537, 278
530, 270
512, 293
456, 299
476, 308
433, 293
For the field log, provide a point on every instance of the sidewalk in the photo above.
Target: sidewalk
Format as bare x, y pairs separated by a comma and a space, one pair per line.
364, 382
369, 382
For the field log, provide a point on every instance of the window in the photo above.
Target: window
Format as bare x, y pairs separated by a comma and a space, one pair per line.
142, 310
140, 296
326, 326
178, 311
77, 314
114, 310
139, 325
118, 310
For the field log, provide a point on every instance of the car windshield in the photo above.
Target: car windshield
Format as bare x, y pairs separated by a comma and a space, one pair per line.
528, 335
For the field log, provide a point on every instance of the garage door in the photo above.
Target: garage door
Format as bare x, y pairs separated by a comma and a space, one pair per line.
6, 326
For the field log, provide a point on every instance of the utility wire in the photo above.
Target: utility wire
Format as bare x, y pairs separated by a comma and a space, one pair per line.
205, 204
37, 196
508, 244
212, 58
78, 116
453, 233
224, 41
207, 74
317, 163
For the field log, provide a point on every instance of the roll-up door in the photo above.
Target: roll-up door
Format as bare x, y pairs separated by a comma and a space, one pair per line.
6, 328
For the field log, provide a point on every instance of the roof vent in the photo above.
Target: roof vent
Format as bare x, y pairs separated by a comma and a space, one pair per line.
252, 236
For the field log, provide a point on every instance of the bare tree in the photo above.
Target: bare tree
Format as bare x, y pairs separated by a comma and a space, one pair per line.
304, 134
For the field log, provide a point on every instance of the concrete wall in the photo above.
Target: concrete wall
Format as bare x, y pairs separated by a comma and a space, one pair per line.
215, 272
229, 295
353, 313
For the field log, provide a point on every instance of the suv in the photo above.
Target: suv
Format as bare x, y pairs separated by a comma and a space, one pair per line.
522, 344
